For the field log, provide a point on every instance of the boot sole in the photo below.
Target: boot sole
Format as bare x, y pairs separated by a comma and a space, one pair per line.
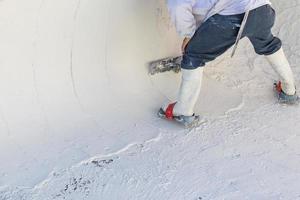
198, 120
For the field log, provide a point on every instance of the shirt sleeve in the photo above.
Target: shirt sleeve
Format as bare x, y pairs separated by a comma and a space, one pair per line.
181, 12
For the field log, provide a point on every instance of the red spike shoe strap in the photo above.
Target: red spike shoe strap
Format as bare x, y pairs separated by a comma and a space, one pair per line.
278, 87
169, 111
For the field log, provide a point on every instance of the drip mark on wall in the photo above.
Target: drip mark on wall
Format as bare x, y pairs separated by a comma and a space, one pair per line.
106, 40
72, 74
71, 52
34, 75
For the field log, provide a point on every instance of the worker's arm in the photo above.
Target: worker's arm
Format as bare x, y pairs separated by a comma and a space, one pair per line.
182, 16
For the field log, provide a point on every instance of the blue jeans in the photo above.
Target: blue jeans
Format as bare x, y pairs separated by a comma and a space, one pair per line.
219, 33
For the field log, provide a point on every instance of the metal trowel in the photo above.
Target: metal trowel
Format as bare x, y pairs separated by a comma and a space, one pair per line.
165, 64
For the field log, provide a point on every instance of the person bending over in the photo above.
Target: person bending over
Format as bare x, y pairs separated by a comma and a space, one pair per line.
209, 28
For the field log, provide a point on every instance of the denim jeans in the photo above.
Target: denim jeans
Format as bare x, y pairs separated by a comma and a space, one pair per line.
218, 33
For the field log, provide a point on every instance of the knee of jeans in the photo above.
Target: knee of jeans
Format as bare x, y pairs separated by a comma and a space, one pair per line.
268, 48
191, 63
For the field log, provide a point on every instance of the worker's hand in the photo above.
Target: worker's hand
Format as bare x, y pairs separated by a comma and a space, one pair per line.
184, 44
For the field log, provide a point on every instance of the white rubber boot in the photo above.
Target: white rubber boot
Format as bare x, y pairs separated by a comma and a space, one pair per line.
189, 91
281, 65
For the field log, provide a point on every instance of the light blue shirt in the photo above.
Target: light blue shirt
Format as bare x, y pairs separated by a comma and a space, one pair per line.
187, 15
